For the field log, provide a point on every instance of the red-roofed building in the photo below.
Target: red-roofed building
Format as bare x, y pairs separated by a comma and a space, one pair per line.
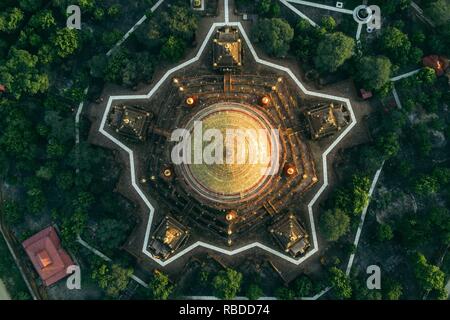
2, 88
48, 257
438, 63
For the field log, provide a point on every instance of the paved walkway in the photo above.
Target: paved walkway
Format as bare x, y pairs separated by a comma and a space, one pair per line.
298, 12
321, 6
363, 218
133, 28
288, 3
405, 75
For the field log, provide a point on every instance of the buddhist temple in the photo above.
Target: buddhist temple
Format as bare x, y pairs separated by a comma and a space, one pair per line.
48, 257
290, 235
129, 121
167, 238
326, 119
227, 49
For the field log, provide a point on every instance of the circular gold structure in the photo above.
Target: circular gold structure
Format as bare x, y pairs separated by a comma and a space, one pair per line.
190, 101
167, 172
249, 156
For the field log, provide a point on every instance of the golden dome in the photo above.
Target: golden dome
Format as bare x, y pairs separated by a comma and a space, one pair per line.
242, 174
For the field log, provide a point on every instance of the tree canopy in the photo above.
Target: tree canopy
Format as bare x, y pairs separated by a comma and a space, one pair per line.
340, 282
430, 277
227, 283
334, 224
160, 286
20, 74
11, 19
373, 72
114, 280
274, 35
66, 42
333, 51
438, 11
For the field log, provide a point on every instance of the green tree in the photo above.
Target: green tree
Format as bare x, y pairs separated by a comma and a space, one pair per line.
396, 45
340, 282
361, 186
426, 185
421, 139
35, 200
98, 65
392, 290
333, 51
11, 19
64, 180
392, 6
160, 286
384, 232
11, 212
227, 284
173, 49
274, 35
334, 224
114, 10
112, 233
429, 276
43, 20
180, 22
19, 74
328, 23
438, 220
388, 145
442, 175
303, 286
30, 5
438, 11
18, 138
114, 280
45, 54
268, 8
66, 42
284, 293
305, 40
253, 292
427, 76
373, 72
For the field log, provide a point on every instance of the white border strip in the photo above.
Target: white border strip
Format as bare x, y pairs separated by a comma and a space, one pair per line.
201, 243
